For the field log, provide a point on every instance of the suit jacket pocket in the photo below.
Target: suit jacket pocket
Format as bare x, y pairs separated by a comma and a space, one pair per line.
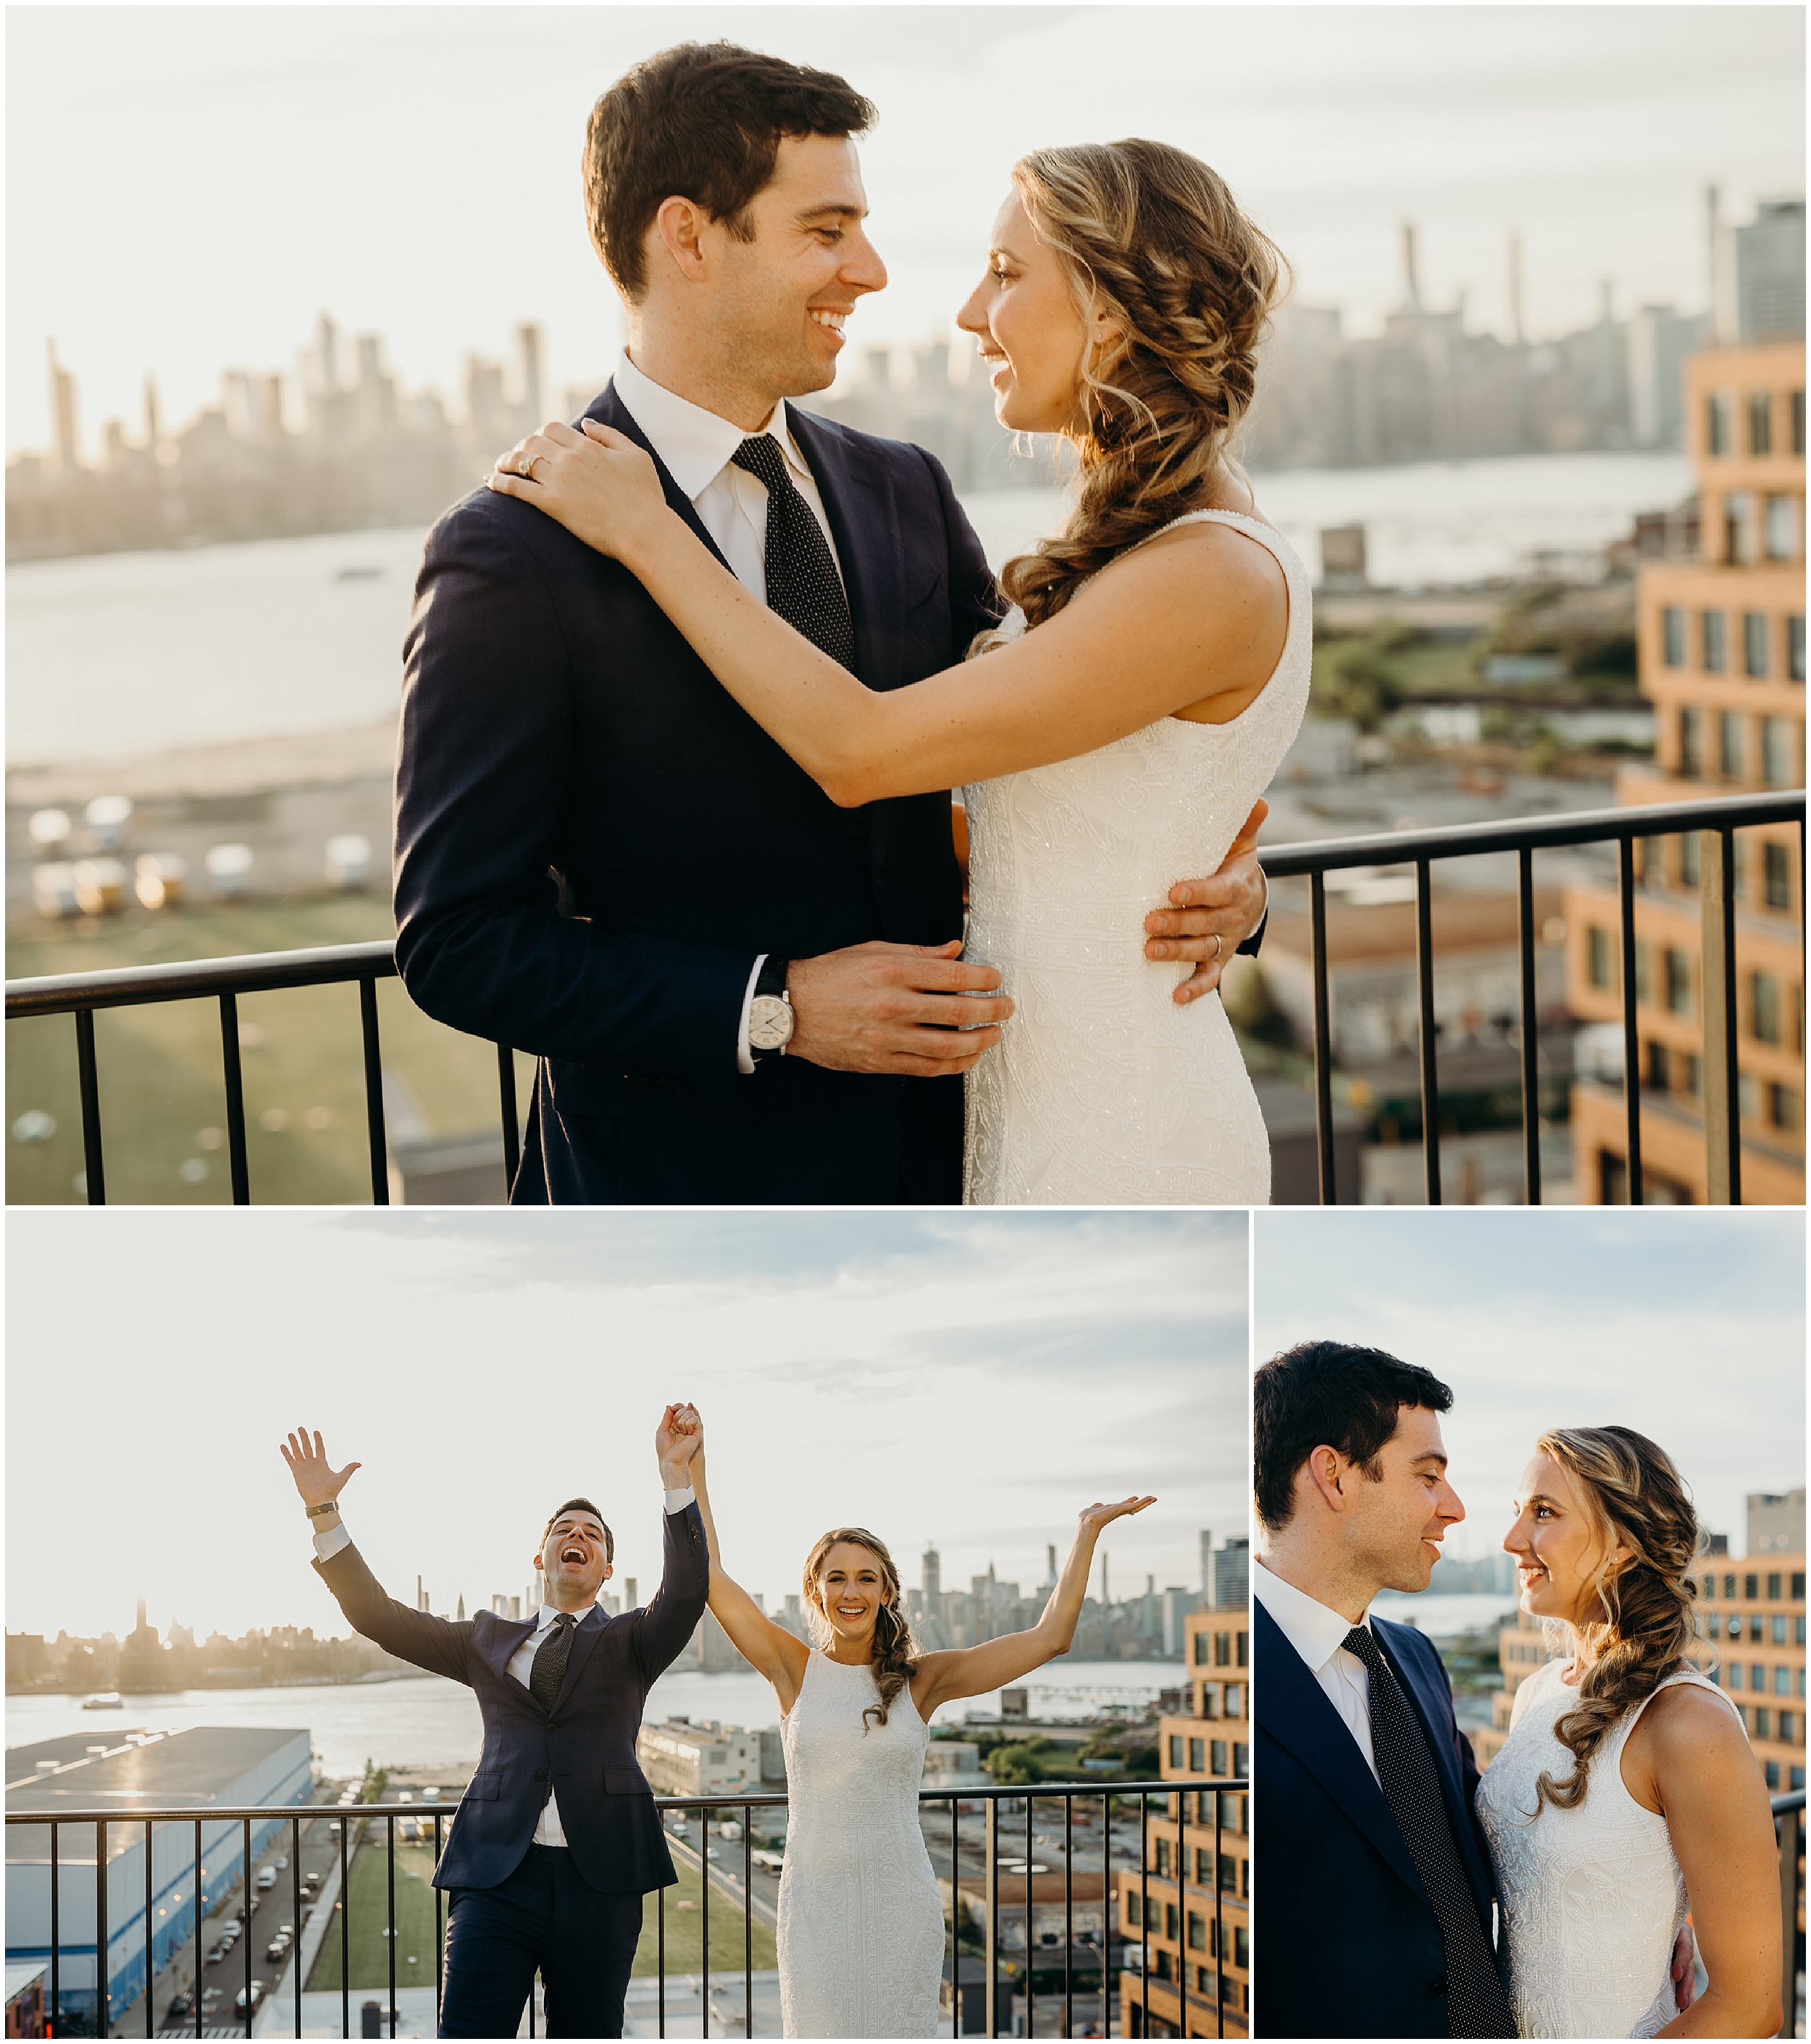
486, 1786
625, 1781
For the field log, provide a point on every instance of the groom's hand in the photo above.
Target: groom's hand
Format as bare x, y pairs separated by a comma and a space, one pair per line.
912, 1008
1209, 920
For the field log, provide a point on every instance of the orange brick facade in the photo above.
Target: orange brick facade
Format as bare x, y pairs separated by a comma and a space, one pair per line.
1721, 645
1192, 1913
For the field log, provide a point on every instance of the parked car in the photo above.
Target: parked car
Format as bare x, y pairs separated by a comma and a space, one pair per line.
239, 2001
278, 1945
267, 1877
184, 2004
217, 1953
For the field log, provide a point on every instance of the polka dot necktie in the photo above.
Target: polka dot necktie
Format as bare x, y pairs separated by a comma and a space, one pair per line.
1475, 2003
803, 587
548, 1668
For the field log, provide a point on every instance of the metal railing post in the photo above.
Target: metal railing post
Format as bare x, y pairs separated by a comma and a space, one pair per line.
234, 1076
1716, 988
374, 1093
295, 1904
150, 2025
512, 1133
56, 1936
1530, 1028
993, 1904
1631, 1036
704, 1906
245, 1915
1791, 1839
88, 1082
198, 1926
345, 1933
747, 1924
103, 1942
1430, 1061
1326, 1154
390, 1851
660, 1964
1068, 1914
955, 1916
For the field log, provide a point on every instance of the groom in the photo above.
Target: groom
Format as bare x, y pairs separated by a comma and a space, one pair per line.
556, 1840
1378, 1890
736, 993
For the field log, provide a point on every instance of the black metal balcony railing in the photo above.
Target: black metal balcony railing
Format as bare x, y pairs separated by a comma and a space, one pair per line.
1717, 820
1789, 1827
81, 994
997, 1984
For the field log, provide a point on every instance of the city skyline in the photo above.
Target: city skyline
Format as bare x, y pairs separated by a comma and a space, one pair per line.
1332, 139
928, 1376
1684, 1323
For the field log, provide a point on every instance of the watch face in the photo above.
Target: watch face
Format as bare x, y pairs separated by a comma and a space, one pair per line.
769, 1023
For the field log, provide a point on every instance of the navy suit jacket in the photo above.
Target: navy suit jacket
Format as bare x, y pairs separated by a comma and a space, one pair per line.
585, 1745
593, 841
1351, 1943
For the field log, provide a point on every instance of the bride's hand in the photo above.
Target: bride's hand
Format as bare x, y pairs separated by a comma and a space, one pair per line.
598, 484
1094, 1516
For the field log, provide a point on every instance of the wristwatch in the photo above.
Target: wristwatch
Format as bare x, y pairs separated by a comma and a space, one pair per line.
770, 1019
321, 1510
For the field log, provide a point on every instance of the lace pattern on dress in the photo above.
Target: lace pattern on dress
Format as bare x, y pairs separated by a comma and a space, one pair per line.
1104, 1091
1592, 1898
861, 1926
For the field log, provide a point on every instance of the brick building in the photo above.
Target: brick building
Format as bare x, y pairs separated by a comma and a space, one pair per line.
1192, 1912
1720, 647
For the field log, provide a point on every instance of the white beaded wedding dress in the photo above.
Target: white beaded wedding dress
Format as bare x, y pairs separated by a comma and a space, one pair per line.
1104, 1091
1592, 1898
861, 1927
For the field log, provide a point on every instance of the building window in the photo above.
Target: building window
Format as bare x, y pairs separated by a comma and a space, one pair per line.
1198, 1932
1678, 980
1758, 1679
1200, 1650
1798, 1597
1691, 743
1241, 1946
1728, 746
1219, 1755
1222, 1649
1755, 644
1750, 1588
1760, 422
1777, 875
1795, 648
1719, 410
1596, 955
1734, 1674
1763, 1016
1673, 636
1776, 752
1642, 991
1735, 1625
1773, 1768
1241, 1761
1782, 1682
1234, 1700
1176, 1749
1210, 1699
1782, 529
1795, 406
1779, 1632
1688, 854
1660, 1067
1710, 641
1693, 1080
1162, 1867
1729, 1590
1196, 1764
1784, 1110
1229, 1866
1763, 1724
1242, 1640
1714, 1625
1773, 1590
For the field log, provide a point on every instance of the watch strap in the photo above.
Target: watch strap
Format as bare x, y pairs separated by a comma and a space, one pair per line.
321, 1510
772, 978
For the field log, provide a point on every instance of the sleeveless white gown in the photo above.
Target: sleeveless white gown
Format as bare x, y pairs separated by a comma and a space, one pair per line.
1592, 1898
861, 1925
1105, 1091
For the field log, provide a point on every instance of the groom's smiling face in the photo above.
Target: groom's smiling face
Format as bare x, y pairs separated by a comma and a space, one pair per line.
780, 296
1400, 1518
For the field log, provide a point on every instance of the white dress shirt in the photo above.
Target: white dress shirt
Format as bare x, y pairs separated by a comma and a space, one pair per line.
548, 1829
696, 446
1317, 1633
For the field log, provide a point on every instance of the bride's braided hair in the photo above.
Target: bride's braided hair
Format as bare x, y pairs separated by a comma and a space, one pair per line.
1153, 241
895, 1651
1639, 1501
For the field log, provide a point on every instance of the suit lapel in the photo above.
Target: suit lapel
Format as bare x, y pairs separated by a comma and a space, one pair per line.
505, 1640
1293, 1708
608, 409
585, 1637
864, 522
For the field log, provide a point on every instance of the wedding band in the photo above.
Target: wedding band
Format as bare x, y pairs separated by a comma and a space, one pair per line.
1219, 946
527, 471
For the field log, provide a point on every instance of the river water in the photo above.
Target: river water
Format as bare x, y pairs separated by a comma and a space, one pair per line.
1441, 1617
113, 654
425, 1721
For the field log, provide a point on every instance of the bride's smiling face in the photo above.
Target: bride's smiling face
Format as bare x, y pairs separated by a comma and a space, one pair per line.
851, 1587
1033, 338
1558, 1548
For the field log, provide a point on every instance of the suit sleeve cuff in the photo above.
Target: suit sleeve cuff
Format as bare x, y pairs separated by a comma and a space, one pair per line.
677, 1500
1248, 949
744, 1054
335, 1541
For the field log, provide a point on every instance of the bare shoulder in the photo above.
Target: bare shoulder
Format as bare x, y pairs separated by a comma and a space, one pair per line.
1685, 1727
1239, 564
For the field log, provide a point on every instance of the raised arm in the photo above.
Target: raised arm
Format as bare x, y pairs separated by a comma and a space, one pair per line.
439, 1644
1197, 614
770, 1650
971, 1671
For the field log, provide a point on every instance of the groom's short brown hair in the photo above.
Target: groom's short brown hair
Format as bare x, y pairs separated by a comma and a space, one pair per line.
702, 122
1328, 1394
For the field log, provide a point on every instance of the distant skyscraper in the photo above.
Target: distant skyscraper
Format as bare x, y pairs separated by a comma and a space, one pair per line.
528, 355
930, 1577
65, 441
1206, 1562
1233, 1575
1769, 273
1776, 1526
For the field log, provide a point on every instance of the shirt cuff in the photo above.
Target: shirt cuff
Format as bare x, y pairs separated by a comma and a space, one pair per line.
677, 1500
334, 1541
744, 1055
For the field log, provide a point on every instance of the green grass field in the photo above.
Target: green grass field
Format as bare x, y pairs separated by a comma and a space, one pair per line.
368, 1950
163, 1101
685, 1929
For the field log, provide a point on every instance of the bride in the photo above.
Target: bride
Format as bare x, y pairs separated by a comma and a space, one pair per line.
1626, 1791
1128, 715
861, 1926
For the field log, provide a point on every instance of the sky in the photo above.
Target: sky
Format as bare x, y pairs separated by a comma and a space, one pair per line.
1684, 1324
971, 1379
189, 186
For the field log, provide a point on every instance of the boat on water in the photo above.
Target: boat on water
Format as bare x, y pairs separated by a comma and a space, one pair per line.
108, 1700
